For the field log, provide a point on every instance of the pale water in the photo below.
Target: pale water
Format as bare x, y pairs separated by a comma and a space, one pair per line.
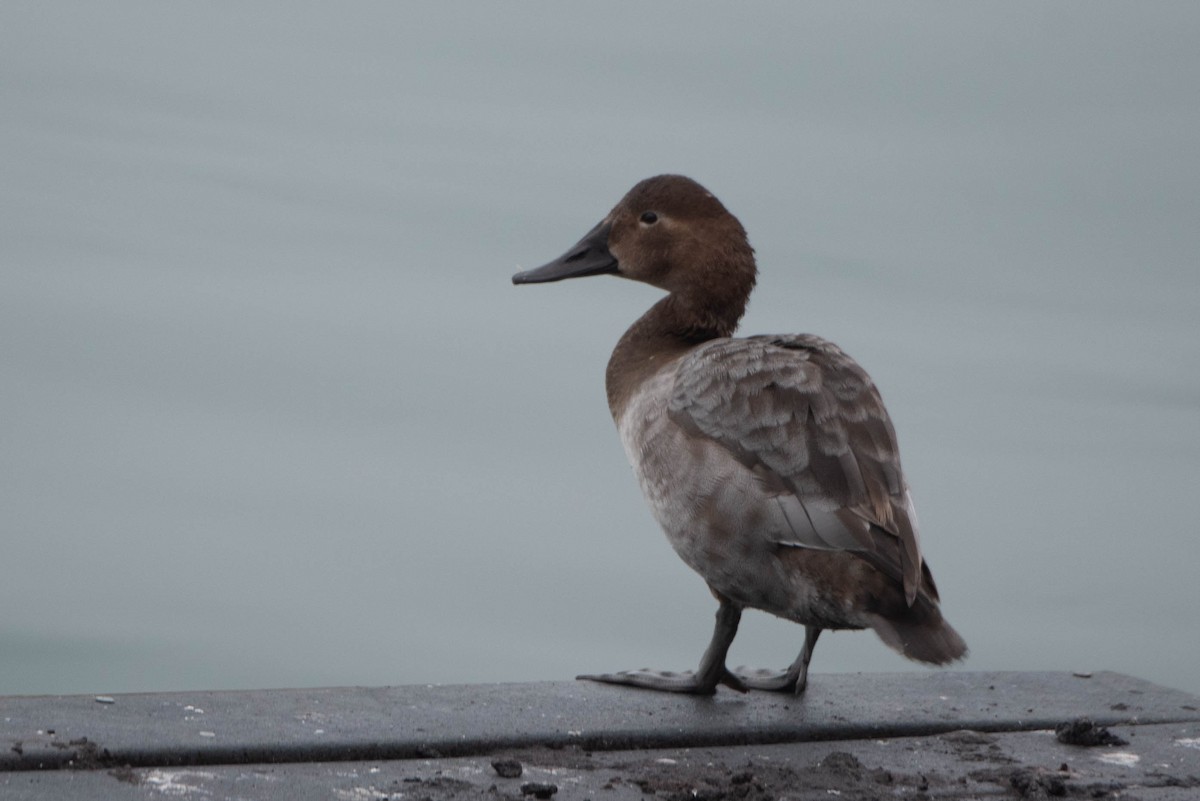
271, 413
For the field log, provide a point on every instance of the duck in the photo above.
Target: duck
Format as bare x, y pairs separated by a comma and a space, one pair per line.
770, 461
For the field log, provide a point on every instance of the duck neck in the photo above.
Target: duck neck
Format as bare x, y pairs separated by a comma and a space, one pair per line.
669, 329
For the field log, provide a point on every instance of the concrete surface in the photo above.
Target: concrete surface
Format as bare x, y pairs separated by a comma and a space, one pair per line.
929, 734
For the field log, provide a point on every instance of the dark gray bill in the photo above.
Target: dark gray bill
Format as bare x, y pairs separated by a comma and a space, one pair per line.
589, 256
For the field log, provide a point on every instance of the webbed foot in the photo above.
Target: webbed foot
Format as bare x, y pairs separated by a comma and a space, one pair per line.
780, 681
667, 681
705, 680
793, 680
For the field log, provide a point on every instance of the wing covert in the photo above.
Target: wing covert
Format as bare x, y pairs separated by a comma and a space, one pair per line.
808, 420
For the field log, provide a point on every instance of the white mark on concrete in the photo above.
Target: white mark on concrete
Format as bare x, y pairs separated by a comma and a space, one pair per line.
666, 761
472, 769
105, 699
208, 734
1122, 758
1189, 742
177, 782
368, 793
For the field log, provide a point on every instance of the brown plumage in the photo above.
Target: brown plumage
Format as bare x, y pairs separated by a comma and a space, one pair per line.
769, 461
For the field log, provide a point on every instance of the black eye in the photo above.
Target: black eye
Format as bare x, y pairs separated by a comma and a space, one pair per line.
649, 217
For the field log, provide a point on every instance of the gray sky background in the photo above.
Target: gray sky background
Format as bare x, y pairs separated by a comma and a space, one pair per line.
272, 415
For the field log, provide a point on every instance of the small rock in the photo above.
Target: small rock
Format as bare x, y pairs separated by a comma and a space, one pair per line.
1084, 732
1032, 783
507, 768
105, 699
539, 789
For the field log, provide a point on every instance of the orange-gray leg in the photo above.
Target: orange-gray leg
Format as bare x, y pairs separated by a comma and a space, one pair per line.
704, 680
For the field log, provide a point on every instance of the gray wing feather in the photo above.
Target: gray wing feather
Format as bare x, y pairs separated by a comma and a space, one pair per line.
807, 419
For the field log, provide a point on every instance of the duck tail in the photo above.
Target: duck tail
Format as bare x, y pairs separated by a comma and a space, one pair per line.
921, 634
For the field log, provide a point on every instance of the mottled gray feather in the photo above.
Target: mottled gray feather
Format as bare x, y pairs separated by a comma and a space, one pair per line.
806, 418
